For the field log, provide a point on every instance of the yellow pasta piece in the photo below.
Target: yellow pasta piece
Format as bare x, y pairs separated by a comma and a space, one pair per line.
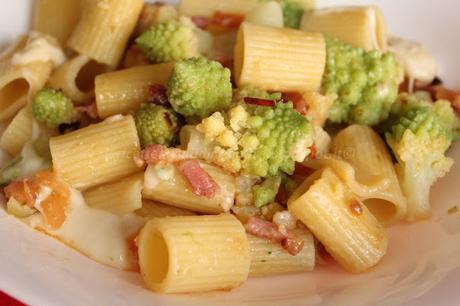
165, 184
122, 91
193, 253
56, 17
97, 154
209, 7
279, 59
120, 197
151, 209
360, 26
18, 132
104, 29
347, 229
269, 258
76, 78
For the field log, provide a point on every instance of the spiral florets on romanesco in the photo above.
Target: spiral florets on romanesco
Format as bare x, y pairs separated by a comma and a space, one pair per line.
174, 40
156, 125
198, 87
52, 107
419, 138
258, 140
365, 84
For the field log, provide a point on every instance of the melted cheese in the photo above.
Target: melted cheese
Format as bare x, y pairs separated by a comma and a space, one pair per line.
100, 235
417, 62
42, 48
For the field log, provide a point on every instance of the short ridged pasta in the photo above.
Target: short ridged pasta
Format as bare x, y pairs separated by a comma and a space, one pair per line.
104, 29
209, 7
97, 154
120, 197
279, 59
18, 132
269, 258
346, 228
76, 78
56, 17
360, 26
152, 209
123, 91
193, 253
176, 191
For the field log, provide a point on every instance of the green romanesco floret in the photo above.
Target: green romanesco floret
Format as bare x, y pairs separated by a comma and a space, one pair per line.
198, 87
52, 107
250, 91
266, 192
292, 13
365, 84
258, 140
156, 125
419, 139
174, 40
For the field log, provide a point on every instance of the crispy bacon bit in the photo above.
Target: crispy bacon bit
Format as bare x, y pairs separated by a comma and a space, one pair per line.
259, 102
157, 95
202, 183
313, 152
265, 229
302, 170
227, 20
356, 208
201, 22
282, 196
134, 58
53, 207
89, 109
25, 191
156, 153
300, 104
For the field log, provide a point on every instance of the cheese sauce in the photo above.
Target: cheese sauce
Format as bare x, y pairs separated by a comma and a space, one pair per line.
100, 235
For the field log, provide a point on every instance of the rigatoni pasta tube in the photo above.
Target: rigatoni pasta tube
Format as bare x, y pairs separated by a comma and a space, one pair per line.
18, 132
120, 197
269, 258
152, 209
360, 26
209, 7
347, 229
96, 154
366, 152
165, 184
193, 253
56, 17
123, 91
104, 29
279, 59
76, 78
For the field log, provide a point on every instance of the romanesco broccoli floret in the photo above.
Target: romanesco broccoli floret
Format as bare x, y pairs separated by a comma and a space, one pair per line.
365, 84
52, 107
156, 124
198, 87
258, 140
266, 192
419, 138
254, 92
292, 13
174, 40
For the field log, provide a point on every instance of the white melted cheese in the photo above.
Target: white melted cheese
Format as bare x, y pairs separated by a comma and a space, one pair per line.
418, 63
100, 235
40, 47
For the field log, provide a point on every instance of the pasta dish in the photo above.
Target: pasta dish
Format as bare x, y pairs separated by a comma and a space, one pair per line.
219, 140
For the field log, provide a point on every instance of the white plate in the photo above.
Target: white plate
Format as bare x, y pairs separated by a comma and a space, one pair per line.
40, 271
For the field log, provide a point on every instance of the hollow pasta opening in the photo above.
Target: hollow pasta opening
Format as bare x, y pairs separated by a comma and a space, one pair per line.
12, 92
383, 210
155, 258
85, 77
